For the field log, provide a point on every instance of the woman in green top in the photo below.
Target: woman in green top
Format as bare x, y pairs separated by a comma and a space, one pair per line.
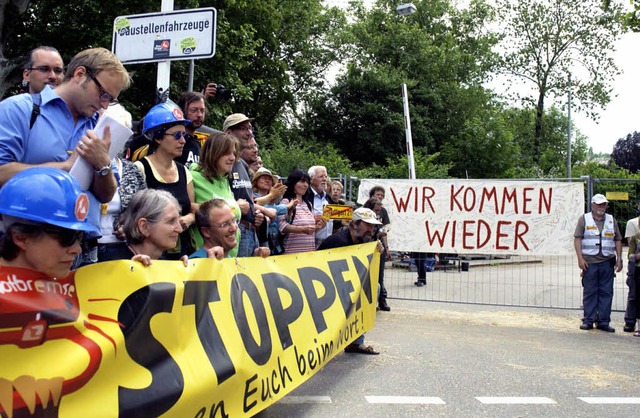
210, 176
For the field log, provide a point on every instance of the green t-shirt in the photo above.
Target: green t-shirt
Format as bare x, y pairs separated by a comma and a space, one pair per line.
206, 190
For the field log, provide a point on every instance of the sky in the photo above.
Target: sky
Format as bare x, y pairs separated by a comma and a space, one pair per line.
621, 115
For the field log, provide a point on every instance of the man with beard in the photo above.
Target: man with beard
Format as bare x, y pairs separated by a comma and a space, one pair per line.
598, 245
360, 230
319, 196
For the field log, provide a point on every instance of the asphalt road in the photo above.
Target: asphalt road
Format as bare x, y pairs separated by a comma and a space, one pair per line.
458, 360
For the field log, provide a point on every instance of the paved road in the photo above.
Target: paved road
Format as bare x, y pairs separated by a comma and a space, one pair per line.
456, 360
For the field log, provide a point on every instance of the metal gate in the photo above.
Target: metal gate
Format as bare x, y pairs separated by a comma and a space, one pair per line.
526, 281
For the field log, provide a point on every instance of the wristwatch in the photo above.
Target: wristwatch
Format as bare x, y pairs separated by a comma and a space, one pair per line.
104, 170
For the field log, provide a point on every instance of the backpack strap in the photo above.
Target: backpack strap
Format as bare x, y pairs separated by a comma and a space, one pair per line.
37, 99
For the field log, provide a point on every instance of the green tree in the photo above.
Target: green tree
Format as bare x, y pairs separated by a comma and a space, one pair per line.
269, 53
547, 40
440, 52
552, 159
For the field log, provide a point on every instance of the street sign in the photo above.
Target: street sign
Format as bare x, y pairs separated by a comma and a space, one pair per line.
165, 36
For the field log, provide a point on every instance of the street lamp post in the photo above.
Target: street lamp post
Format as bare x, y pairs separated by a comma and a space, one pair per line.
569, 132
404, 10
407, 125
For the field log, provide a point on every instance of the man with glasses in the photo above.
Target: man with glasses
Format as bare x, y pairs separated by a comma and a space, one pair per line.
239, 126
45, 67
62, 130
218, 225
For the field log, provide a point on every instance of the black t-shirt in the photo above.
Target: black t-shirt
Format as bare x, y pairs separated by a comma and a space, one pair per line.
341, 238
240, 183
190, 152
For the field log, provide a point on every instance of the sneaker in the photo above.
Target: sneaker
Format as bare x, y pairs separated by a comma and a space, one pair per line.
420, 283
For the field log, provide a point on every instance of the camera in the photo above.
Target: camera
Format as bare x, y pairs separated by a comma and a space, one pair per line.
222, 93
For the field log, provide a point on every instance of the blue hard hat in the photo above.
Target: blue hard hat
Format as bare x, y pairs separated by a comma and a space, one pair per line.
48, 195
167, 113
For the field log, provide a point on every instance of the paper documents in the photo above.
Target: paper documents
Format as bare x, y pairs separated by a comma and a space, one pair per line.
82, 170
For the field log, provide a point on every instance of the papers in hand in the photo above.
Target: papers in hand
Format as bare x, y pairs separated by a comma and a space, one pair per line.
82, 170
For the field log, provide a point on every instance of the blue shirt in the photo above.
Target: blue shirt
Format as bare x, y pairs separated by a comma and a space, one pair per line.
202, 253
53, 136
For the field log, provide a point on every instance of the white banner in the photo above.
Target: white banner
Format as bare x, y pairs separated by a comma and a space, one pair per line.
480, 216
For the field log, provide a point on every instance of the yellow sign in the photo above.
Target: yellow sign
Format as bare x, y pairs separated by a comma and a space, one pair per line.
337, 212
617, 196
217, 338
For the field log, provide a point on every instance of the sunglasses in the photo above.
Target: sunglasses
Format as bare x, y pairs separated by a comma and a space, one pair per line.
66, 237
46, 69
177, 135
104, 95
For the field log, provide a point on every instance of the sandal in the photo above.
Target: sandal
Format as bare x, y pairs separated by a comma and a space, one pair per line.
636, 334
357, 349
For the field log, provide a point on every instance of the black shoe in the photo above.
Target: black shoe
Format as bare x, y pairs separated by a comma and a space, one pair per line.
383, 305
420, 283
606, 328
629, 327
586, 327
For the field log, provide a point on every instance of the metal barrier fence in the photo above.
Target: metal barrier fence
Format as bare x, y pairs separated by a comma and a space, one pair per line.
527, 281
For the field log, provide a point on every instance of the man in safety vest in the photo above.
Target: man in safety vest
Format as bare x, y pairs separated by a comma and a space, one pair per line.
598, 245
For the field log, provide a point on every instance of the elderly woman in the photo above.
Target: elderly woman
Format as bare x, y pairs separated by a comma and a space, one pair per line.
151, 225
42, 225
164, 125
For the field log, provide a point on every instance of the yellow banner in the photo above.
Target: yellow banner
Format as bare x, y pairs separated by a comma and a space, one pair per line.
337, 212
217, 338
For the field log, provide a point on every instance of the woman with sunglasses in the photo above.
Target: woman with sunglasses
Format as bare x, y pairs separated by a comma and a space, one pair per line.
44, 218
164, 126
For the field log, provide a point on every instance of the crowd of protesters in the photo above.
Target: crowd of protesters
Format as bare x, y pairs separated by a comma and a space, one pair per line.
177, 190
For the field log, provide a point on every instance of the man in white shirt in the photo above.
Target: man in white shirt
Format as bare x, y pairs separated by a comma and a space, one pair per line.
318, 175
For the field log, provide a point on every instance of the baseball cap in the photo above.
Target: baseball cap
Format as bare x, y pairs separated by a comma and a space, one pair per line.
365, 214
598, 199
234, 119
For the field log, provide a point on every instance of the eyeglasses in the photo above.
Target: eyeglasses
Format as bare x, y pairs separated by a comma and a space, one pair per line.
104, 95
46, 69
178, 135
226, 225
66, 237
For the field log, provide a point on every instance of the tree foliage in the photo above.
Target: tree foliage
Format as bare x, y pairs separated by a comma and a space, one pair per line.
441, 53
547, 40
269, 53
626, 152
